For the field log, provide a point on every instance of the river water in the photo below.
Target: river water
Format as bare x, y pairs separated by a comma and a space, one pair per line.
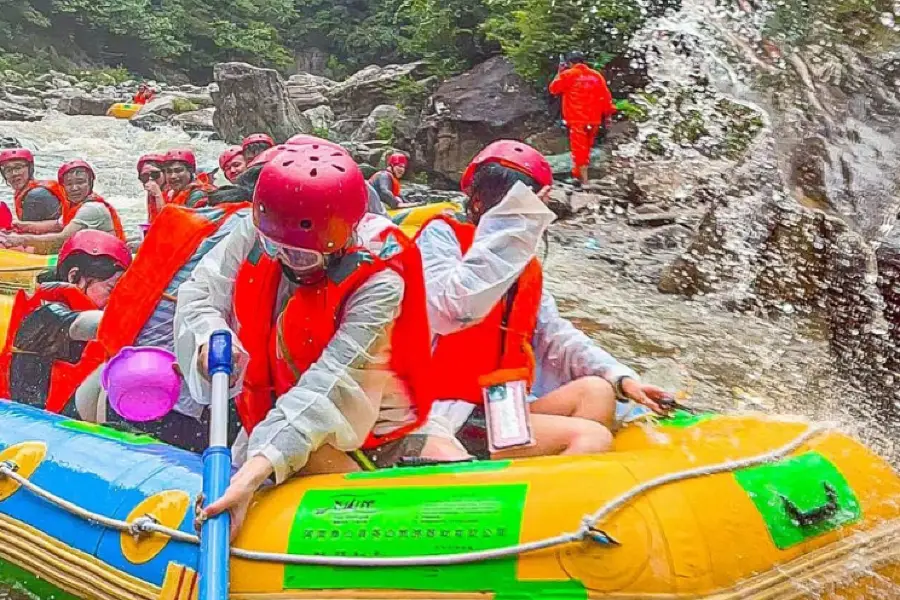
720, 359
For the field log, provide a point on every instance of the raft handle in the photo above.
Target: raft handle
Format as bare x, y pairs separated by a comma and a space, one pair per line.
816, 515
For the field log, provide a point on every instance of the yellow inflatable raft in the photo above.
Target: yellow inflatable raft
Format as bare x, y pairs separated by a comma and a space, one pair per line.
123, 110
717, 507
411, 219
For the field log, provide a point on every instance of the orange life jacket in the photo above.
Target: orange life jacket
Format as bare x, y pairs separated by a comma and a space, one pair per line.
62, 373
395, 183
169, 245
72, 210
497, 349
51, 186
312, 317
202, 183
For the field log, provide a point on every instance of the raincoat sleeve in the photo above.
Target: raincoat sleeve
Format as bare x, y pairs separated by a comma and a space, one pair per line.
560, 83
563, 353
334, 402
205, 305
463, 290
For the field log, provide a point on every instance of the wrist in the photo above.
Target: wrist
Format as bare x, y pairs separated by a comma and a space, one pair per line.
255, 471
618, 387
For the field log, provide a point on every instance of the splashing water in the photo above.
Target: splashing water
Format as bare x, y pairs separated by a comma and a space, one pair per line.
112, 147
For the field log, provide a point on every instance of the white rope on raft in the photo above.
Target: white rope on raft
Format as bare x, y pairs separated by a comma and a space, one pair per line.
145, 525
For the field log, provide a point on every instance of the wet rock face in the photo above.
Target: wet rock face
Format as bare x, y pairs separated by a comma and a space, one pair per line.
473, 109
253, 100
15, 112
358, 95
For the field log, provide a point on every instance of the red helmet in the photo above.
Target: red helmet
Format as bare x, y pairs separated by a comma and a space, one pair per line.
514, 155
397, 159
153, 157
230, 153
71, 165
16, 154
310, 199
182, 155
257, 138
96, 243
301, 139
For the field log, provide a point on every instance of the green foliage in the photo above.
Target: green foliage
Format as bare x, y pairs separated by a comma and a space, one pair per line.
183, 105
538, 31
323, 132
857, 22
407, 92
384, 130
104, 76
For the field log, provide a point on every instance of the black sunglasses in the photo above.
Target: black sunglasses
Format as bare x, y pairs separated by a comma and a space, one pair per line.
154, 175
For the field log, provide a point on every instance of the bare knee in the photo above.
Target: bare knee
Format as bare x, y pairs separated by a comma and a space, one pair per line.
589, 437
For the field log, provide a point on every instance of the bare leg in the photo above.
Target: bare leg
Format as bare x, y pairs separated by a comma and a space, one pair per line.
554, 434
329, 459
591, 398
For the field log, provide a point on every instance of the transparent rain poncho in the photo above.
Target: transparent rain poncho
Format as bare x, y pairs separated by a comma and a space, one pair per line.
462, 290
344, 395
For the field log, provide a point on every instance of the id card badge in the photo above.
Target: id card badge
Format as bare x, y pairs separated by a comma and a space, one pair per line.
507, 418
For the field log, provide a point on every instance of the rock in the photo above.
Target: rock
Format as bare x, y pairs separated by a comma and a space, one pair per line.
311, 60
553, 140
9, 142
470, 110
22, 91
26, 101
61, 83
76, 102
562, 163
253, 100
148, 121
308, 91
201, 98
667, 238
163, 106
14, 112
656, 219
198, 120
558, 202
379, 125
344, 128
368, 152
13, 76
358, 95
320, 117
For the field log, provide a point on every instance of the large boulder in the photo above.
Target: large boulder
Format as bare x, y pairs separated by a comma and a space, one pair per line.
155, 113
195, 120
320, 117
15, 112
470, 110
358, 95
26, 101
308, 91
386, 122
254, 100
77, 102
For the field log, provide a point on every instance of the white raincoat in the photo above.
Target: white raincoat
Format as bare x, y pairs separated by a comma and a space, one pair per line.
462, 290
343, 396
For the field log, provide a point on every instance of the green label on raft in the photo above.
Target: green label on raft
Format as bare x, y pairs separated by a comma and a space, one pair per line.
681, 419
109, 433
476, 466
412, 521
24, 582
810, 484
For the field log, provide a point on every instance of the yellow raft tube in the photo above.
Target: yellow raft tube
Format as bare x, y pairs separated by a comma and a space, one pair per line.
699, 506
123, 110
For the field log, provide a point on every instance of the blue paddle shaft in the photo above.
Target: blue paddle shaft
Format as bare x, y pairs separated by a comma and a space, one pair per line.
215, 533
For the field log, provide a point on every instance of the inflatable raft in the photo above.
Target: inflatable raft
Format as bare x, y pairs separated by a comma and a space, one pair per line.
748, 507
411, 219
123, 110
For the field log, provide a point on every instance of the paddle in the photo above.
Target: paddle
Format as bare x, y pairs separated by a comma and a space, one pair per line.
215, 533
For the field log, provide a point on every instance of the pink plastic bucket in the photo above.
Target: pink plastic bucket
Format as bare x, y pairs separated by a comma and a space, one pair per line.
141, 383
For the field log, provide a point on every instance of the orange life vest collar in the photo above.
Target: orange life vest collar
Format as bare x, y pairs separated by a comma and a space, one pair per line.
497, 349
72, 210
312, 317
